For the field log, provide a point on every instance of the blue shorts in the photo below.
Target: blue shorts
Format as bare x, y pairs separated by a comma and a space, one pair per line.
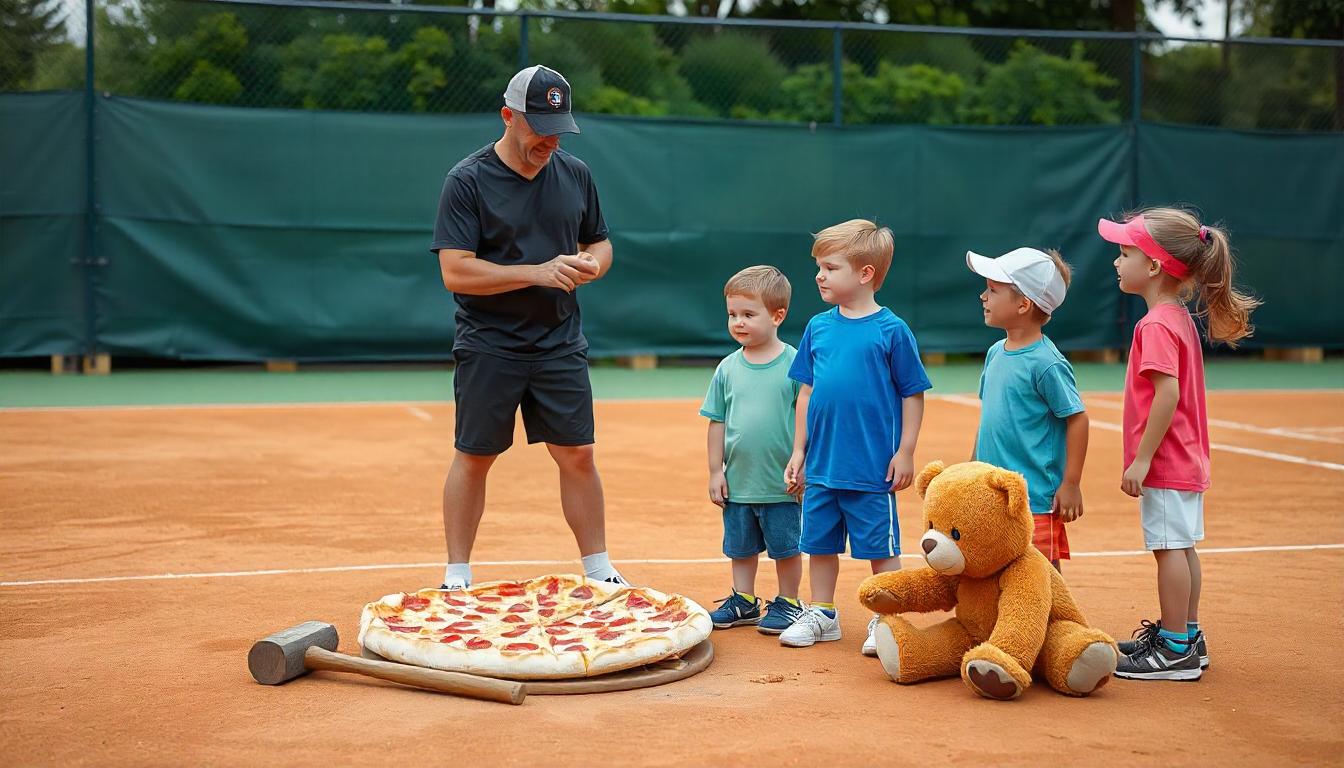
868, 518
750, 529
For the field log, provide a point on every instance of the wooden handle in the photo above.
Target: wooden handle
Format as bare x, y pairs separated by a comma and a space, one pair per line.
459, 683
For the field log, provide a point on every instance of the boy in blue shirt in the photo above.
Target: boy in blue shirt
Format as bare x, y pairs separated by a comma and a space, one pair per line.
1032, 419
750, 410
859, 413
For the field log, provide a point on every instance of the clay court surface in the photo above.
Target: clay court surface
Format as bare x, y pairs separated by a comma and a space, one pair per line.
296, 512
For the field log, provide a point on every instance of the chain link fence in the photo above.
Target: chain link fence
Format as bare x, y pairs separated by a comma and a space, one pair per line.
398, 58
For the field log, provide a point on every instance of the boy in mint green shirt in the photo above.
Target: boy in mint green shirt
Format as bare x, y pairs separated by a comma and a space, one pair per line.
750, 407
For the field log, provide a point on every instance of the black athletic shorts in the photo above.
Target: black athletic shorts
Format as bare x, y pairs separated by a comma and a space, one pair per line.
555, 395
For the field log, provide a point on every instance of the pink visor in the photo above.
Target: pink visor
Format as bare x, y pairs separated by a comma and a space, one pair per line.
1134, 232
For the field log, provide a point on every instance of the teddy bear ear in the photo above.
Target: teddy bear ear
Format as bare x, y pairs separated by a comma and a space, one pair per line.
1012, 484
926, 475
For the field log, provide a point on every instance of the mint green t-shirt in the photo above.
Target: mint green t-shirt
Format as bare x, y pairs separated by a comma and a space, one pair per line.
755, 403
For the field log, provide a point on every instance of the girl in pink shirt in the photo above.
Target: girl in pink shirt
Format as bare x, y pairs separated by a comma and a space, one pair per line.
1168, 257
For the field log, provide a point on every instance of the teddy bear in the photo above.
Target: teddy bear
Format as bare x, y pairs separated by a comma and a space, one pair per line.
1013, 613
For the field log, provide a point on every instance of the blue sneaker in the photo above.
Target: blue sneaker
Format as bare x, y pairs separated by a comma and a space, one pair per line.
780, 615
735, 611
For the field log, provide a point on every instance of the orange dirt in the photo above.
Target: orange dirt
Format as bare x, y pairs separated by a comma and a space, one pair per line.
153, 671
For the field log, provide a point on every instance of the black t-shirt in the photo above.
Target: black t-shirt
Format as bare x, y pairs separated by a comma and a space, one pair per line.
504, 218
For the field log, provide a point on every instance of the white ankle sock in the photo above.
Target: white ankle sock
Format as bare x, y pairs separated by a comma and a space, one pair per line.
598, 566
457, 575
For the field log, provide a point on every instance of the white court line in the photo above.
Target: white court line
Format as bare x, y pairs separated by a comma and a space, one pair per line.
1293, 433
650, 561
305, 405
419, 413
1111, 427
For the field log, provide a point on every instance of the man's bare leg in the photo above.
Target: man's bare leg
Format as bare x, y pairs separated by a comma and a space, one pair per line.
584, 506
463, 505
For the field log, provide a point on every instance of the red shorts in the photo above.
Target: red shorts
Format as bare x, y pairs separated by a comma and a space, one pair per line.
1049, 536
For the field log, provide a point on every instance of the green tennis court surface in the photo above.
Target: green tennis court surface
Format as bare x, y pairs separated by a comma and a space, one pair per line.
250, 385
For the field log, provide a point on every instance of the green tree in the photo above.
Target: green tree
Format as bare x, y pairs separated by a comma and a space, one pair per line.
349, 72
1038, 88
198, 66
729, 70
28, 29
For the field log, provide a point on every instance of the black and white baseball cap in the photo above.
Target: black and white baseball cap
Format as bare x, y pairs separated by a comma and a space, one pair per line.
541, 96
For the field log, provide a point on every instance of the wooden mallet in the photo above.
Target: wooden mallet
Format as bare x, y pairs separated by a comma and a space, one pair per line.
311, 646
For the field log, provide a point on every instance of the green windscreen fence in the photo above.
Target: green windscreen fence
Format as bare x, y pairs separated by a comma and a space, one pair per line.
245, 234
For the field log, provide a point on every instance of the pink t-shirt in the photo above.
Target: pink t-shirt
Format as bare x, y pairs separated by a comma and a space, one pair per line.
1167, 341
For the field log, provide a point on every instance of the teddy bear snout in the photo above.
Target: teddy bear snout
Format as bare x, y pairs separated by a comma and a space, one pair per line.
942, 553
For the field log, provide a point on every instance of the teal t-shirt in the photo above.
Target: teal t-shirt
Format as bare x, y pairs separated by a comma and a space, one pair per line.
755, 402
1025, 395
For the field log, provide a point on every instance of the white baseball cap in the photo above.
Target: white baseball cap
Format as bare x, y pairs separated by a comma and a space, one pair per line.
1032, 272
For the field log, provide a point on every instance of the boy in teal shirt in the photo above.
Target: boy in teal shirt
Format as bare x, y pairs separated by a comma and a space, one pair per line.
750, 407
1032, 419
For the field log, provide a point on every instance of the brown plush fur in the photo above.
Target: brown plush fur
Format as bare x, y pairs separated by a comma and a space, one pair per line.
1014, 614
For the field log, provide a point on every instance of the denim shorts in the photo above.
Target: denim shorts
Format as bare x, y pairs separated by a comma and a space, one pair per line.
750, 529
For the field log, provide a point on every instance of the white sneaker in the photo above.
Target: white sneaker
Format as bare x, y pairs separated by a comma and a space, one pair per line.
813, 626
870, 643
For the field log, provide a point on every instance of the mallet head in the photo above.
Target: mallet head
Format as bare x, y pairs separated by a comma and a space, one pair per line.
279, 658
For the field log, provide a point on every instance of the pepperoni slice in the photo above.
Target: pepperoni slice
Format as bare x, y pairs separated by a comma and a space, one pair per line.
609, 635
592, 624
580, 648
514, 618
564, 624
414, 603
519, 632
394, 620
434, 617
478, 643
655, 629
636, 601
474, 616
458, 626
603, 615
486, 609
545, 612
557, 630
490, 598
623, 621
449, 638
403, 628
519, 608
581, 593
522, 647
511, 590
552, 587
449, 599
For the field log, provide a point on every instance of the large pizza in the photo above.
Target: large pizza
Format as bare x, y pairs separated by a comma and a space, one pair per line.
550, 627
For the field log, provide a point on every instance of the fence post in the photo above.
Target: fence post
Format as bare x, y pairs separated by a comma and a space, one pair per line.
522, 41
837, 78
90, 260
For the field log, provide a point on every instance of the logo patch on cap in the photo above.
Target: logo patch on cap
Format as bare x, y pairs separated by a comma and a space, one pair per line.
556, 98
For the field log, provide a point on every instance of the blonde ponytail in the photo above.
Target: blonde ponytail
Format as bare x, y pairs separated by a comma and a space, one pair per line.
1207, 251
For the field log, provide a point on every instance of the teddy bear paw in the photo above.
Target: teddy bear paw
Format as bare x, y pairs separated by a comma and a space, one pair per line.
1092, 669
992, 681
888, 651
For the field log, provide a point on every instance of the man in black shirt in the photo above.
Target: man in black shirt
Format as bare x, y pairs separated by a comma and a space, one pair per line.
519, 230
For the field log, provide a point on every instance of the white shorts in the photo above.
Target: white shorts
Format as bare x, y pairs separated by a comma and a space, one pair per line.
1171, 519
